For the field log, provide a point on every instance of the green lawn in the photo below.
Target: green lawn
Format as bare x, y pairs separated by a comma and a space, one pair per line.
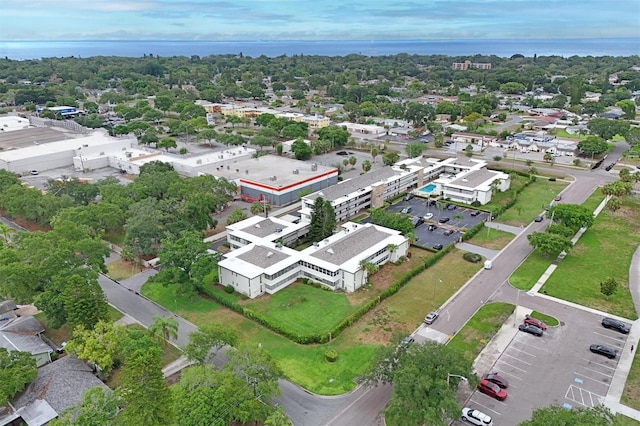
303, 309
547, 319
631, 394
481, 328
122, 269
604, 251
493, 239
530, 271
531, 202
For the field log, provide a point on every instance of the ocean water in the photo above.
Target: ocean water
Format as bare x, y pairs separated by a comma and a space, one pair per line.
503, 48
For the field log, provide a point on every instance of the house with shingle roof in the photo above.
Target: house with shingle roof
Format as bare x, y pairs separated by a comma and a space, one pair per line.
23, 334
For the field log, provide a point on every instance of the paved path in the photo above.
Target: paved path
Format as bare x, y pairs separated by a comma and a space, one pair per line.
136, 282
488, 253
515, 230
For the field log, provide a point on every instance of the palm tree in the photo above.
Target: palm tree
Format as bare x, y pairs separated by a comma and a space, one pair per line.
164, 328
5, 230
440, 204
367, 267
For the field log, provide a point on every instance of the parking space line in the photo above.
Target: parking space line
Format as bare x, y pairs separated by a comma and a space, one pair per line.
510, 356
597, 363
485, 407
573, 390
616, 337
591, 378
526, 353
529, 345
596, 371
512, 366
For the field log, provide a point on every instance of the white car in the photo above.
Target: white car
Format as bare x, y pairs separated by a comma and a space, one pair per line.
476, 417
428, 216
432, 316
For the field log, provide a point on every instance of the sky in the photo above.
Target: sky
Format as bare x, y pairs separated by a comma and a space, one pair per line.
253, 20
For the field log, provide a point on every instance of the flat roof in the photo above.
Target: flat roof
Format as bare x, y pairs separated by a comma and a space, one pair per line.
346, 187
24, 137
261, 171
351, 245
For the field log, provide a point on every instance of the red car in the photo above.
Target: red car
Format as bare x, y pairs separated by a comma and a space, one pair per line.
529, 320
497, 379
492, 390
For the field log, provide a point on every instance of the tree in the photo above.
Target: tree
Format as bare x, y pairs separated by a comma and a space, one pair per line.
468, 150
414, 149
164, 328
208, 337
167, 143
368, 267
98, 407
208, 135
338, 135
547, 157
633, 136
99, 346
614, 204
144, 392
17, 369
572, 215
578, 416
374, 153
323, 220
422, 393
206, 396
592, 146
301, 150
236, 215
352, 161
255, 366
607, 129
366, 165
617, 188
608, 287
389, 158
438, 140
628, 106
549, 244
84, 302
278, 418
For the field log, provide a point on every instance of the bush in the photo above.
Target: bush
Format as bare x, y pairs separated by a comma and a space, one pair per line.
229, 289
497, 158
472, 257
476, 203
331, 355
552, 179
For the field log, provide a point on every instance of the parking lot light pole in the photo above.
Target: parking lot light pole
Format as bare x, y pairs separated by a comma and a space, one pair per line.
456, 375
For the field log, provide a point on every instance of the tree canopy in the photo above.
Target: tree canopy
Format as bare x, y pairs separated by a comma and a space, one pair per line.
17, 369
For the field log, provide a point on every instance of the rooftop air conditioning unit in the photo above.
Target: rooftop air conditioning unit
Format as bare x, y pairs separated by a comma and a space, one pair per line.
275, 177
102, 153
228, 168
127, 154
278, 229
246, 172
278, 245
316, 244
199, 162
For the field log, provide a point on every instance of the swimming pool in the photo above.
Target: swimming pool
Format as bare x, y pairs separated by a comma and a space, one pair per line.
427, 189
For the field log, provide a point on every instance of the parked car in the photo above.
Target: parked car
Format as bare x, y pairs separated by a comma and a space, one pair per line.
449, 232
616, 325
431, 317
404, 343
444, 220
432, 227
343, 153
497, 379
529, 320
604, 350
557, 197
451, 207
491, 389
417, 221
432, 202
437, 246
408, 196
476, 417
531, 329
428, 216
34, 172
539, 218
406, 210
475, 213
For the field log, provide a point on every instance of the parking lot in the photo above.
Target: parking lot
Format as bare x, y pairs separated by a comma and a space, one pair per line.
557, 368
458, 218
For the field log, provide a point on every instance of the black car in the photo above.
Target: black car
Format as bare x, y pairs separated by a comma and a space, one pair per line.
437, 246
449, 232
432, 227
530, 329
444, 220
603, 350
432, 202
451, 207
408, 196
539, 218
475, 213
417, 221
616, 325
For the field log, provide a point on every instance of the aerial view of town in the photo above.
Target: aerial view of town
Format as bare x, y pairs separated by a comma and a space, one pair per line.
307, 239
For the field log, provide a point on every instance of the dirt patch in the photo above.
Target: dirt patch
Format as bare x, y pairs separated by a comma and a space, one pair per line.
377, 327
28, 225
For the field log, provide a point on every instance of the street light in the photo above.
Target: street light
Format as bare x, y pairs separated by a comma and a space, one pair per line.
456, 375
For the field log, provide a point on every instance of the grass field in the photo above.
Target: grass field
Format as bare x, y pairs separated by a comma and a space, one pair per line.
122, 269
479, 330
579, 275
530, 271
631, 394
493, 239
303, 309
531, 202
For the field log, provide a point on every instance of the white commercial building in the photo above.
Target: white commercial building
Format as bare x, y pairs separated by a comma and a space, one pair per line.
266, 266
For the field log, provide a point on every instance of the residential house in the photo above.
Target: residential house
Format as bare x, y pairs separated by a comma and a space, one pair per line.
23, 334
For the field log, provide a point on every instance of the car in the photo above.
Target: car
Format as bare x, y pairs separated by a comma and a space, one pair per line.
491, 389
406, 210
407, 197
604, 350
476, 417
432, 202
638, 166
449, 232
539, 219
431, 317
404, 343
417, 221
452, 207
444, 220
616, 325
428, 216
531, 329
437, 246
432, 227
529, 320
475, 213
557, 197
343, 153
34, 172
497, 379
